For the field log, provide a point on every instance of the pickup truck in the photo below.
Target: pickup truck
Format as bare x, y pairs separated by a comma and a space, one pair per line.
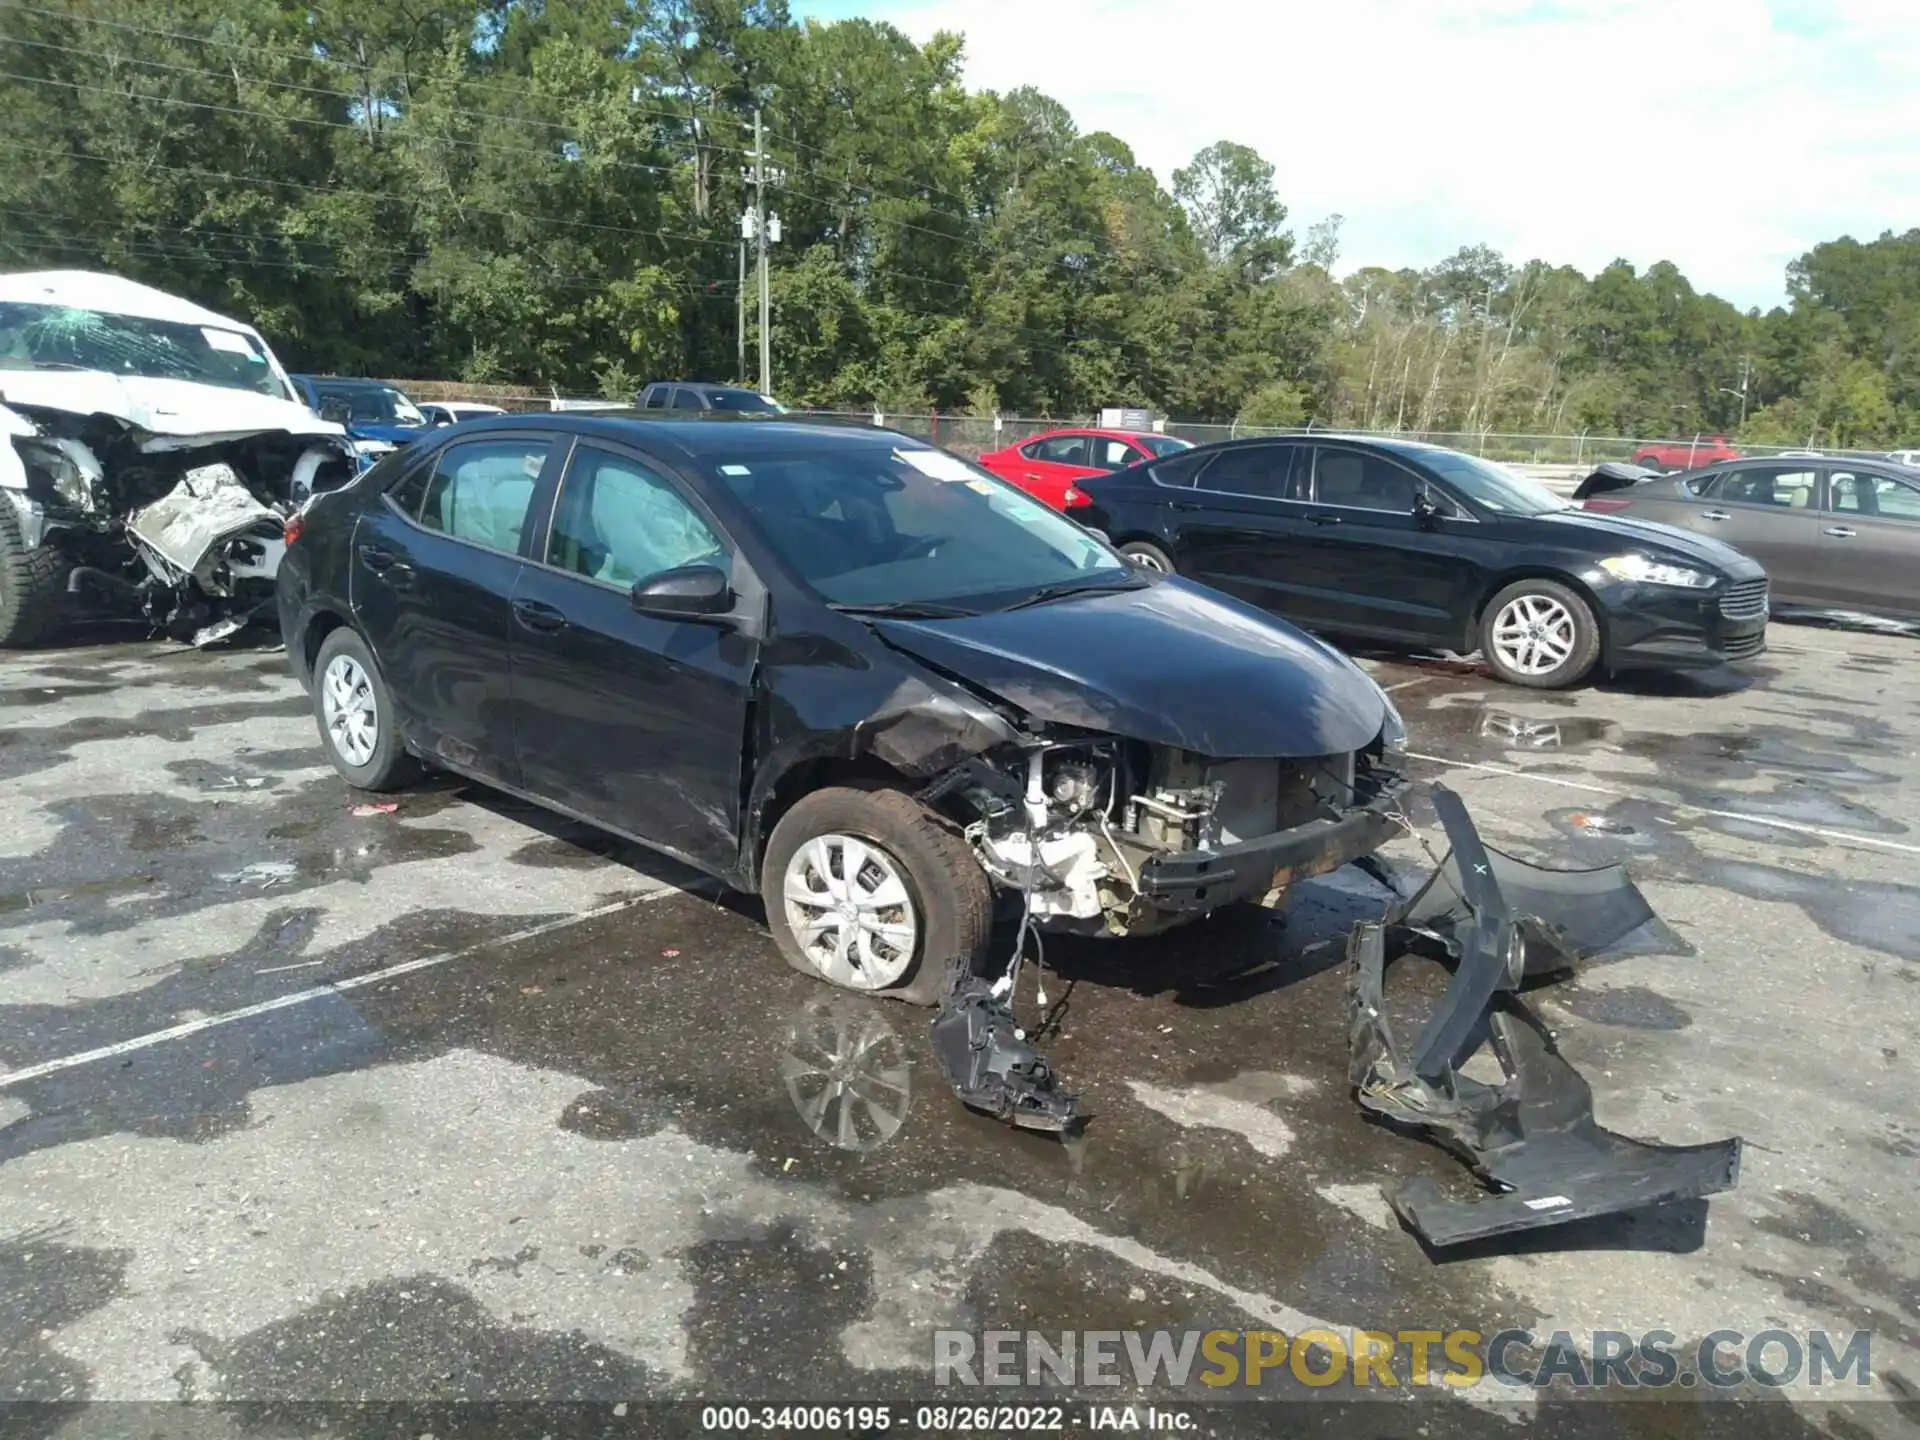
1684, 454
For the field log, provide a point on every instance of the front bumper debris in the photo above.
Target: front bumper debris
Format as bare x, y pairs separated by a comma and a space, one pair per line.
1198, 879
1533, 1138
989, 1063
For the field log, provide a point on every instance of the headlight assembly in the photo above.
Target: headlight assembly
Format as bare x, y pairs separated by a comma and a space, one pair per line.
1645, 571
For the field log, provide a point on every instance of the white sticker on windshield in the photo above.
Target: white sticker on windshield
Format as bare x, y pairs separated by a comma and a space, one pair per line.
1023, 510
534, 463
735, 470
226, 340
935, 464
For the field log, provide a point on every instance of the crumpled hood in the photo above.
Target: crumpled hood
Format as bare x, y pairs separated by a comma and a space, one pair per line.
1633, 533
167, 410
1170, 663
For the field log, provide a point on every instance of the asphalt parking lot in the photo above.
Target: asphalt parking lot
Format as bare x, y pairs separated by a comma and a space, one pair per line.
303, 1100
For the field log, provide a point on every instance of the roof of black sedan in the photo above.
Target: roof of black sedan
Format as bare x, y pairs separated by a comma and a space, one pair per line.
705, 437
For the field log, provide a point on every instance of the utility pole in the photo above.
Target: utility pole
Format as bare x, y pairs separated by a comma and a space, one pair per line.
740, 315
764, 229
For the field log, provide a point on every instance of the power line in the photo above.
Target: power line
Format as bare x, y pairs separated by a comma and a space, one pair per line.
828, 201
385, 197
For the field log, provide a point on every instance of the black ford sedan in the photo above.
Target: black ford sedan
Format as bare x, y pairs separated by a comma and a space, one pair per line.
836, 665
1416, 545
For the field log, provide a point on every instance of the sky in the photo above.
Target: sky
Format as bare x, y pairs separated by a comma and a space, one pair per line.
1727, 136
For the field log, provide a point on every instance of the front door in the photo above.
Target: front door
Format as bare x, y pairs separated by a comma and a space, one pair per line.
636, 721
1371, 566
1771, 512
1870, 543
434, 564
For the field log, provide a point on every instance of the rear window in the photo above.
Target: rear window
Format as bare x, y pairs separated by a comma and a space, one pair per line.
1179, 471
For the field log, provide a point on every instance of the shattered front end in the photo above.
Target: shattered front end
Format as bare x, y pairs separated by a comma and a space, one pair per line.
1533, 1138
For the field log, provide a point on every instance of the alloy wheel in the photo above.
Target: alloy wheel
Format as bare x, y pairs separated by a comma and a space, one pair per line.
850, 911
1534, 634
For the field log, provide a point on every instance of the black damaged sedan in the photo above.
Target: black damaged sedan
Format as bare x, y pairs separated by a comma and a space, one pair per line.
1415, 545
834, 665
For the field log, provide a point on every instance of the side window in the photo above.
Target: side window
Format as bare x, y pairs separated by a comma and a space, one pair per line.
1876, 495
1113, 454
656, 397
410, 489
620, 522
1178, 470
685, 399
1363, 482
1786, 489
1061, 450
480, 491
1262, 471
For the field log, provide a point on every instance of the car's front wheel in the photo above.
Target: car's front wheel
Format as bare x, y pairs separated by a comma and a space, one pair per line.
868, 890
1541, 634
32, 583
1148, 556
354, 710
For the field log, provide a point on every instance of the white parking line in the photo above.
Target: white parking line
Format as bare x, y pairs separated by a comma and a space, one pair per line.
1846, 837
321, 992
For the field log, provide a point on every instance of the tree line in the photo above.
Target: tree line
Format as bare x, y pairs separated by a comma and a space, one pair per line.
551, 195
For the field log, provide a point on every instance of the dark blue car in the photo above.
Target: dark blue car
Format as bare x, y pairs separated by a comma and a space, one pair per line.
378, 416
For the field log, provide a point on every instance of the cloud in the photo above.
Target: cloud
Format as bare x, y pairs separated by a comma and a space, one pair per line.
1727, 136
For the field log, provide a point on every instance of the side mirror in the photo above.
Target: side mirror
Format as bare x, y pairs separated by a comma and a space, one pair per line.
685, 591
1425, 512
335, 410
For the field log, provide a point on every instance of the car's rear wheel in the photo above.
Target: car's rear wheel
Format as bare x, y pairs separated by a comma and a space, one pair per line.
1148, 556
354, 710
868, 890
32, 583
1540, 634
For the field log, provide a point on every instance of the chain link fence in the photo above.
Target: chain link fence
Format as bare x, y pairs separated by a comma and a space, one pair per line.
972, 435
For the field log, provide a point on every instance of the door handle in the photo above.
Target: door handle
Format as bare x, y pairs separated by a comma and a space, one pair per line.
1840, 532
1715, 515
386, 564
1323, 519
538, 616
1187, 505
1031, 476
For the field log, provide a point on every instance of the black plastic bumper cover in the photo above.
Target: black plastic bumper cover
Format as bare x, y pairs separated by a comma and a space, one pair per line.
989, 1063
1533, 1138
1185, 881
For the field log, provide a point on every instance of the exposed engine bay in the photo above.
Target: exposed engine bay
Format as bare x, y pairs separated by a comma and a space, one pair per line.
186, 530
1118, 837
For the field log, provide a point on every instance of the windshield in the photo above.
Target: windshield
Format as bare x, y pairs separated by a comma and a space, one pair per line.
746, 402
63, 337
372, 404
1491, 486
870, 524
1164, 444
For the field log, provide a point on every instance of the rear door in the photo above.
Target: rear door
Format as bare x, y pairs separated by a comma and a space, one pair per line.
1771, 511
1370, 566
1869, 556
435, 562
1242, 525
1049, 466
636, 721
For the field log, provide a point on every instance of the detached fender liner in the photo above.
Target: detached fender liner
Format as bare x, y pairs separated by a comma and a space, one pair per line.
1533, 1138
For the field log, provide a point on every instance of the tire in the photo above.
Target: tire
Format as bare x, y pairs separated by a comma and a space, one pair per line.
32, 584
1149, 556
1552, 613
945, 898
345, 671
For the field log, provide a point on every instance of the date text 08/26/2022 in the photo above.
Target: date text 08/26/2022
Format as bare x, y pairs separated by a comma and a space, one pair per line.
937, 1419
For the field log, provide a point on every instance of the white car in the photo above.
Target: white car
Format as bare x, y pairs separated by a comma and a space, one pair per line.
1905, 457
452, 412
152, 452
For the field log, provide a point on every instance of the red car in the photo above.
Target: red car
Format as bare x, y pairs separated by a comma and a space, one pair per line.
1046, 465
1685, 454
